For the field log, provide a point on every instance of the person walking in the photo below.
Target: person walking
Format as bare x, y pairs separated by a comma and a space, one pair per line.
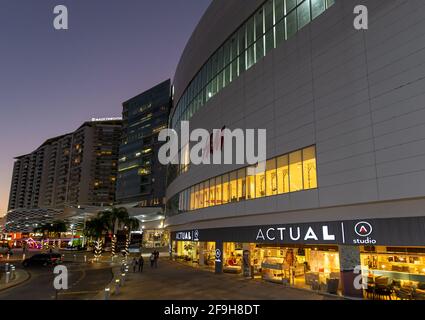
141, 263
152, 259
134, 264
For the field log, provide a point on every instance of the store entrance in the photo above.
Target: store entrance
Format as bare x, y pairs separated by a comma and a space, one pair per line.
315, 268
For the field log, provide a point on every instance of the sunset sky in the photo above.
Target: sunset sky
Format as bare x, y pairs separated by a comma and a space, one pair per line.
52, 81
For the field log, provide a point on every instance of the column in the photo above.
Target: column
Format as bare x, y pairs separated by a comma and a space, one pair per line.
246, 260
218, 257
349, 257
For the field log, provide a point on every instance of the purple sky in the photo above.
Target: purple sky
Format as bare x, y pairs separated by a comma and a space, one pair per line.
52, 81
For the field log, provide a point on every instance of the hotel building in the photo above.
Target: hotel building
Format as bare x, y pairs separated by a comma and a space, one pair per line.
344, 184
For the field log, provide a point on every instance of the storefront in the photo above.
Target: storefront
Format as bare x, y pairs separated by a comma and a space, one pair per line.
376, 258
195, 253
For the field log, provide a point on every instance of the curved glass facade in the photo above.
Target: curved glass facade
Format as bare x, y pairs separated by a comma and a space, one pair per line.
274, 22
291, 172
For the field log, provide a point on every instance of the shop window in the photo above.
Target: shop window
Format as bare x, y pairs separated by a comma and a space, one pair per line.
295, 171
250, 183
271, 177
218, 191
309, 168
260, 183
206, 194
317, 8
225, 182
233, 186
282, 174
303, 14
241, 184
212, 192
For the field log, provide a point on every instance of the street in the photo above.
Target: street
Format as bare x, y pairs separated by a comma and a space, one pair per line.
84, 282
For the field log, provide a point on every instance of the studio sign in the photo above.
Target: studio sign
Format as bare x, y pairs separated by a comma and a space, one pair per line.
295, 234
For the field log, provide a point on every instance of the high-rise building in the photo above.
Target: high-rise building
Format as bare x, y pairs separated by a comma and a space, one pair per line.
343, 192
75, 169
141, 178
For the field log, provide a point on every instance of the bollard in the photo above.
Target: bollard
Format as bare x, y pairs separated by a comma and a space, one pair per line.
7, 277
8, 256
117, 286
6, 267
85, 258
123, 278
13, 274
23, 257
107, 293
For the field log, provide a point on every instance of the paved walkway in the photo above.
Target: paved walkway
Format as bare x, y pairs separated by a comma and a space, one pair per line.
20, 277
175, 281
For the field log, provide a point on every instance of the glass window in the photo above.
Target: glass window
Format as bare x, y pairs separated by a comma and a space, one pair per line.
250, 32
291, 24
303, 14
259, 49
192, 198
268, 15
309, 168
259, 24
196, 197
206, 194
280, 32
241, 184
180, 201
187, 202
250, 183
218, 190
317, 7
212, 192
282, 174
260, 185
269, 41
279, 10
250, 56
271, 177
225, 182
295, 171
201, 195
233, 186
289, 5
330, 3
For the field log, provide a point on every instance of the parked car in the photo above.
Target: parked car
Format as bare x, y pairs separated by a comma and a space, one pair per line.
43, 259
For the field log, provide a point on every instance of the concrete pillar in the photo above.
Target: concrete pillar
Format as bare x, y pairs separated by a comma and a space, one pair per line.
218, 257
349, 257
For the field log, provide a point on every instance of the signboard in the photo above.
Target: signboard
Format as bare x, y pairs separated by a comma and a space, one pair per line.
390, 232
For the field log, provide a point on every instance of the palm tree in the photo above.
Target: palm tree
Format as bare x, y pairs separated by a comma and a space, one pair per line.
114, 219
95, 228
130, 224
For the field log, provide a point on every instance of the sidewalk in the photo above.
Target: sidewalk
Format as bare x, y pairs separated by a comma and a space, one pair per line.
175, 281
20, 277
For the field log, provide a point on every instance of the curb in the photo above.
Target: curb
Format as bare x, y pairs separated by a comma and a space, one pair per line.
28, 276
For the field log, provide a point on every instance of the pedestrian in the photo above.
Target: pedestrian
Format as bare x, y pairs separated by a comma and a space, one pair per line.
134, 264
152, 259
141, 263
156, 258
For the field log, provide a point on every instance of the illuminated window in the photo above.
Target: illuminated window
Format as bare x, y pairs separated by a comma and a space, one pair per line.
282, 174
309, 168
241, 184
218, 190
250, 184
145, 151
192, 198
144, 171
201, 195
233, 186
196, 197
206, 194
226, 193
212, 192
260, 184
295, 171
271, 178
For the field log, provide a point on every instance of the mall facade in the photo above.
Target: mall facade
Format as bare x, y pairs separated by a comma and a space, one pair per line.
343, 192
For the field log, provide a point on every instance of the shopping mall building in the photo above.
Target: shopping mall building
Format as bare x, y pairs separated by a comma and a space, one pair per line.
344, 183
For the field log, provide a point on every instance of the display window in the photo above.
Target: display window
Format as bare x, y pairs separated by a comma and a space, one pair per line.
232, 255
394, 272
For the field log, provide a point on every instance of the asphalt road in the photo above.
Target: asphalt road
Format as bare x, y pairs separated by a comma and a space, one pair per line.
84, 282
